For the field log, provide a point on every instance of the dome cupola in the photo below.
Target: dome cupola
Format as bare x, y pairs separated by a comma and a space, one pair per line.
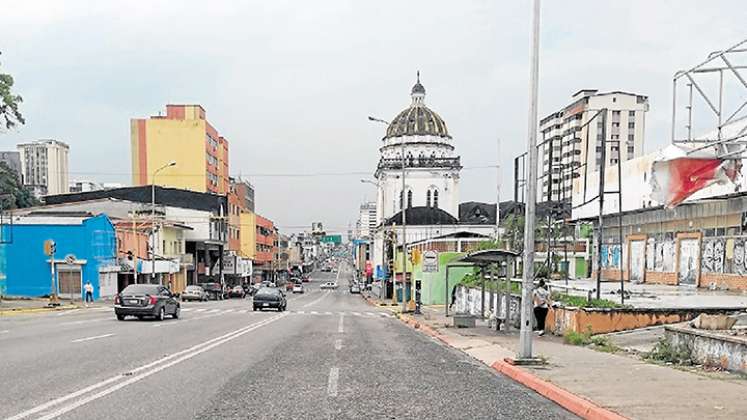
417, 119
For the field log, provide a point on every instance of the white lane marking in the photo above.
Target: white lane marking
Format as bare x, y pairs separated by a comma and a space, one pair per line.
385, 315
186, 309
212, 311
301, 312
339, 324
316, 300
356, 313
328, 313
227, 311
4, 331
178, 358
95, 337
338, 344
370, 314
334, 376
314, 313
68, 312
243, 311
86, 321
201, 310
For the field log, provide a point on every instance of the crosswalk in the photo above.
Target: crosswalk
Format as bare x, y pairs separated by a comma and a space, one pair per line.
376, 314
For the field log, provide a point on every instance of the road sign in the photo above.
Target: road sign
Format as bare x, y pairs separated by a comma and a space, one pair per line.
430, 262
49, 247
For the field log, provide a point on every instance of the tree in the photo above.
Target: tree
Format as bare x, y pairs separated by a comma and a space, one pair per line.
10, 116
13, 195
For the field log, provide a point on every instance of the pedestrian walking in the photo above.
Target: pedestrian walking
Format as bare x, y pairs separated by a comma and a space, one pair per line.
88, 287
541, 298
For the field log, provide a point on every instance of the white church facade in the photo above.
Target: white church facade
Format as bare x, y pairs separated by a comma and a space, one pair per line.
432, 177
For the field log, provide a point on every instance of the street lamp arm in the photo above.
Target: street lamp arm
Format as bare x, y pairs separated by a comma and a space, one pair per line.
379, 120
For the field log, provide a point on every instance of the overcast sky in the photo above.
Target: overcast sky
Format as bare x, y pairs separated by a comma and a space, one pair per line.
290, 83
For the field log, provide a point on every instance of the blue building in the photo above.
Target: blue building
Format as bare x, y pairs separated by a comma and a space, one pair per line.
85, 251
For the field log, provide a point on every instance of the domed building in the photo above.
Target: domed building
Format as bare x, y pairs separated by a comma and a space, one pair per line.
431, 163
435, 218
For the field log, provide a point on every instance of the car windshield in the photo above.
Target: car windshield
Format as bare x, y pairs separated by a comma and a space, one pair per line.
268, 291
193, 289
141, 289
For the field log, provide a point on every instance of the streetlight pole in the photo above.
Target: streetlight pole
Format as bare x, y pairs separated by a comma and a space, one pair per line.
404, 215
153, 219
525, 337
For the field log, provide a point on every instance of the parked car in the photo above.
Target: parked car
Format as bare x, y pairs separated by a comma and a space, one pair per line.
329, 285
305, 278
194, 293
289, 286
298, 288
269, 297
213, 290
237, 291
355, 289
254, 288
146, 300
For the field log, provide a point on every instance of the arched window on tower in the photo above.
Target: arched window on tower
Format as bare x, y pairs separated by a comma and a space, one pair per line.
435, 198
409, 199
401, 195
428, 198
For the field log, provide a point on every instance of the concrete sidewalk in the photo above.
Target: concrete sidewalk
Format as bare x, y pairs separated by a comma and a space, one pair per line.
621, 384
25, 306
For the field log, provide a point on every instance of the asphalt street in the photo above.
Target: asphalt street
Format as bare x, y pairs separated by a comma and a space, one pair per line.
330, 356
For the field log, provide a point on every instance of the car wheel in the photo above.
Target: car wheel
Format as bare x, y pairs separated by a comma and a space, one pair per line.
161, 314
140, 317
184, 300
120, 317
177, 312
255, 309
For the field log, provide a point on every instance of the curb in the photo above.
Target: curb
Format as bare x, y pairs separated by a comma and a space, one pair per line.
19, 311
575, 404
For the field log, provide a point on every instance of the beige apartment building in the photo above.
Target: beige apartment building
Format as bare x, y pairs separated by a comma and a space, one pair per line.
572, 137
44, 166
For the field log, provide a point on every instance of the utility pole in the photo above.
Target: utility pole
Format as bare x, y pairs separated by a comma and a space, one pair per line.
600, 231
525, 337
153, 219
498, 195
405, 205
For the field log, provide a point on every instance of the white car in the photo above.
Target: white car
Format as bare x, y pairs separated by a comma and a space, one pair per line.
328, 285
298, 288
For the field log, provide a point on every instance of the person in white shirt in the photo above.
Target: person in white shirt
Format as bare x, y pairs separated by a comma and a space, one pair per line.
541, 299
88, 288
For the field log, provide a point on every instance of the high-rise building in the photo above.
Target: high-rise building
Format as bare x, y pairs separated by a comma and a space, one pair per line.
572, 137
44, 166
367, 220
77, 186
187, 138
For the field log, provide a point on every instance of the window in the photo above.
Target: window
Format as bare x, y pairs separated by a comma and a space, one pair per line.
631, 126
615, 113
409, 199
631, 114
435, 198
428, 198
615, 125
631, 137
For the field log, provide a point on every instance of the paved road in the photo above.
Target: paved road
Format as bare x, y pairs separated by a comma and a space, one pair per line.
330, 356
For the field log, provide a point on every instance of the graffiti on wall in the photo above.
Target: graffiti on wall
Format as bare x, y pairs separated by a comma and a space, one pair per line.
611, 256
650, 246
738, 265
637, 258
664, 256
713, 255
688, 261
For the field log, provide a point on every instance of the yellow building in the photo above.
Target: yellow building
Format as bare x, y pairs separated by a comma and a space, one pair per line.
248, 234
183, 136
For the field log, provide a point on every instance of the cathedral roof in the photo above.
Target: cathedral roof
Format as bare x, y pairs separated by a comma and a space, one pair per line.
423, 216
417, 119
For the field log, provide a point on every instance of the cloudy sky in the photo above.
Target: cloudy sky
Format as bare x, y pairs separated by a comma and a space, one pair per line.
290, 83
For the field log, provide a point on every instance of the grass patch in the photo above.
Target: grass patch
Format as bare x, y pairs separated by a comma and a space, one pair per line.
665, 352
601, 343
582, 302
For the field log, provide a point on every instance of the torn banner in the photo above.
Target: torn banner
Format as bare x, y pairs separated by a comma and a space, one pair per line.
678, 173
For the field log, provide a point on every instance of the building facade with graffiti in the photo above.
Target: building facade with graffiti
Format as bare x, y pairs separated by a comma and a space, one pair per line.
701, 243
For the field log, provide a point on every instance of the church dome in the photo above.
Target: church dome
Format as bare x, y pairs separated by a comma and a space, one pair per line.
417, 119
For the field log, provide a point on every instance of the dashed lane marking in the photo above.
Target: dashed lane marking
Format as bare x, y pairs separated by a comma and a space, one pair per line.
95, 337
334, 376
338, 344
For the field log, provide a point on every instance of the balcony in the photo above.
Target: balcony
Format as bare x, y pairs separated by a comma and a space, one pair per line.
425, 162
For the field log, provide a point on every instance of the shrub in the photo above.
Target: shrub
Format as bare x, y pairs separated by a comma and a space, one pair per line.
666, 352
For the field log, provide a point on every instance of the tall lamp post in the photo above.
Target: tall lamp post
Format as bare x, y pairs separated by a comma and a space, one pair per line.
525, 333
153, 219
404, 217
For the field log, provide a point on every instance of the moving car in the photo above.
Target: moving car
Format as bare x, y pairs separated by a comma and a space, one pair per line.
213, 290
329, 285
355, 289
194, 293
298, 288
269, 297
305, 278
141, 300
237, 291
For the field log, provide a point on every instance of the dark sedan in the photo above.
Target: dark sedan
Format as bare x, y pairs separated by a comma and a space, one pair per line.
146, 300
269, 297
